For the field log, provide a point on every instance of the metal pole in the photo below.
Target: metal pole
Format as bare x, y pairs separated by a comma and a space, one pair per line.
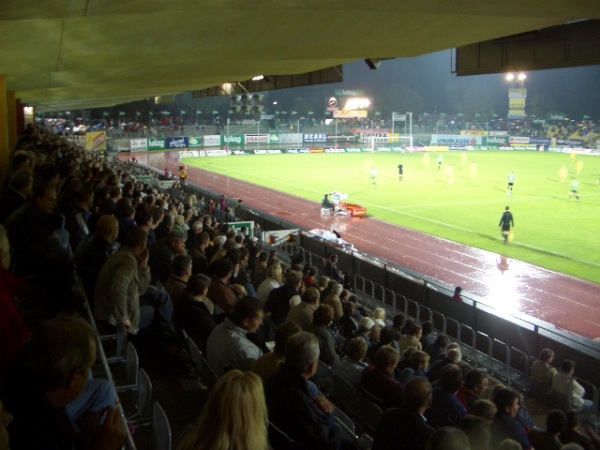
336, 132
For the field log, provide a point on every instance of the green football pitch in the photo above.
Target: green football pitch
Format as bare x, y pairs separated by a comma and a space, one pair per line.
551, 230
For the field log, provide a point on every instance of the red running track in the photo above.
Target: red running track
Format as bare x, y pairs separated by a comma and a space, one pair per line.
506, 285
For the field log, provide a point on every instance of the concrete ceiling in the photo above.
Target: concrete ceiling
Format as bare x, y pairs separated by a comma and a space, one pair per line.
68, 54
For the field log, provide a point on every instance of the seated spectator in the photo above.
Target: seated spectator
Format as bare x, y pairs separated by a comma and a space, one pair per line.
348, 324
523, 416
234, 417
259, 273
406, 428
561, 382
477, 430
365, 325
224, 294
333, 300
45, 392
294, 403
267, 365
509, 444
195, 312
162, 254
427, 337
281, 298
198, 253
77, 216
485, 409
418, 363
398, 323
458, 294
448, 438
13, 332
378, 317
408, 324
181, 272
273, 280
453, 356
542, 372
353, 364
302, 313
504, 425
411, 338
378, 378
123, 294
446, 410
228, 346
322, 283
437, 350
548, 439
575, 434
320, 327
475, 384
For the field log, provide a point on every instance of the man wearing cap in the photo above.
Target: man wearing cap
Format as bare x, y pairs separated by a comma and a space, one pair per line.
365, 325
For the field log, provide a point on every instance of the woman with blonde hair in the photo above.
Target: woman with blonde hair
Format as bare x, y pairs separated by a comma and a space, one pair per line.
235, 416
273, 280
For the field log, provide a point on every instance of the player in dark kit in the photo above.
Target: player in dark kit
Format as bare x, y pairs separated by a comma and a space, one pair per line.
505, 223
400, 171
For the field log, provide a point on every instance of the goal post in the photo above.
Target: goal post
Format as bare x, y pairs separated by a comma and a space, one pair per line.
398, 140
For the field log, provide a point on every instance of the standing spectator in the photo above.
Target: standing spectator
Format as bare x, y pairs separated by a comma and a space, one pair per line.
332, 270
228, 346
406, 428
16, 193
197, 252
181, 272
194, 312
281, 298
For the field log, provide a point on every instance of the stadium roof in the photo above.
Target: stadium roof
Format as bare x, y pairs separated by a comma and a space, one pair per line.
60, 55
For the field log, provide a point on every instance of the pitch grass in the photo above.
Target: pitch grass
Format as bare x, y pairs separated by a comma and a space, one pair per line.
551, 230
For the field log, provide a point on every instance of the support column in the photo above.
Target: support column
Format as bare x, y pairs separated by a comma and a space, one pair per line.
4, 129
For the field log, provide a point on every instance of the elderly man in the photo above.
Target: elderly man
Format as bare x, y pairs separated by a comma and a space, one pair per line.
49, 393
228, 346
302, 313
406, 428
475, 384
295, 404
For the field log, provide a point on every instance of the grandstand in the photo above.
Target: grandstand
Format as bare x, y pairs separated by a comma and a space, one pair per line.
161, 395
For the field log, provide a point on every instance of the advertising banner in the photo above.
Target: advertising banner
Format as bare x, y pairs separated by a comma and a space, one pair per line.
341, 138
518, 140
213, 140
540, 141
495, 141
315, 137
95, 140
569, 142
192, 154
285, 138
157, 144
195, 142
216, 152
138, 145
176, 143
335, 150
256, 138
297, 150
237, 227
350, 114
267, 152
241, 152
455, 140
473, 132
233, 140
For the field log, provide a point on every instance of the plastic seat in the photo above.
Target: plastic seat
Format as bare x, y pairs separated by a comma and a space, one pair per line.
144, 401
346, 397
132, 363
161, 428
